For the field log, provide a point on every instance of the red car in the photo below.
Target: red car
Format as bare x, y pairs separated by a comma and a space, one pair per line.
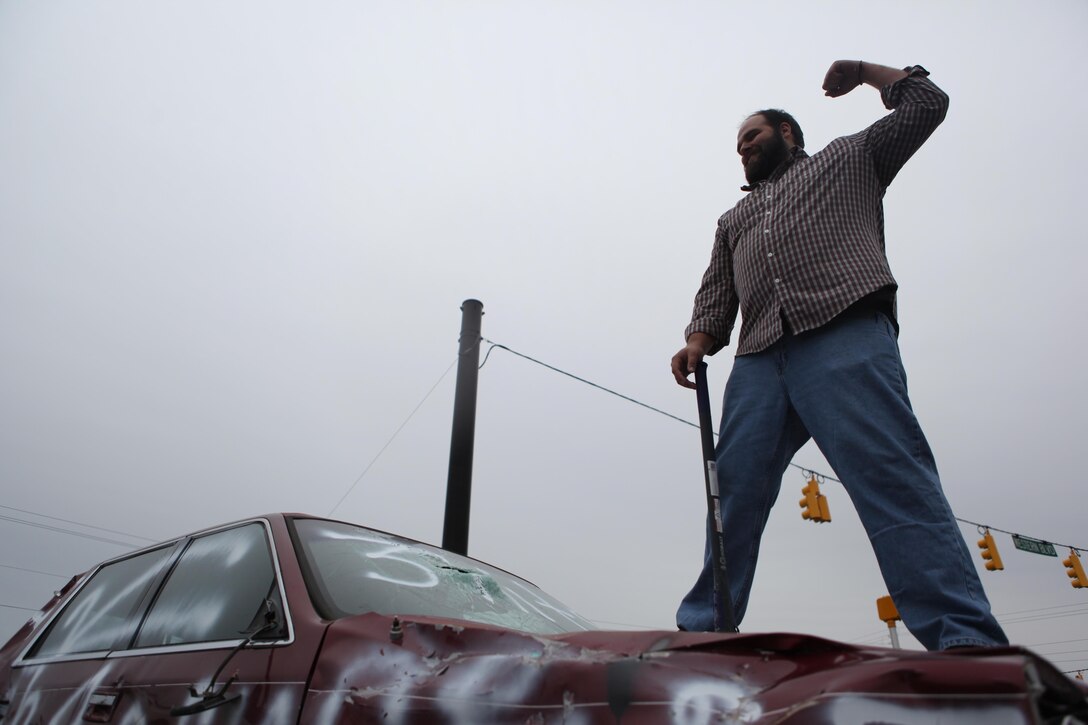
290, 618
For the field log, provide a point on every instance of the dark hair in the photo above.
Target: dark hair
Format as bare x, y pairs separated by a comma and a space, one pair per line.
776, 116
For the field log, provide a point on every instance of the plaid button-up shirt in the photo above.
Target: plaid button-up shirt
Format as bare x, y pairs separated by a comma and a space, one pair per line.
809, 241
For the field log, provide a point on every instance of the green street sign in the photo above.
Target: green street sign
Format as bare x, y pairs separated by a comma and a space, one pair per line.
1023, 543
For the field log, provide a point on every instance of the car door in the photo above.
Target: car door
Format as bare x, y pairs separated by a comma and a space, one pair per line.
217, 638
53, 677
191, 643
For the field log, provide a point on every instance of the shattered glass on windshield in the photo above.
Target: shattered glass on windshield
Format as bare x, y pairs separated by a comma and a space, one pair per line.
357, 570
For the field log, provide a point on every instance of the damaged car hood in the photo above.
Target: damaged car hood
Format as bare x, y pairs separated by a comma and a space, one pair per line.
473, 674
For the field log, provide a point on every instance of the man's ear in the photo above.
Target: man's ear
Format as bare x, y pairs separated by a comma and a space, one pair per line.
787, 133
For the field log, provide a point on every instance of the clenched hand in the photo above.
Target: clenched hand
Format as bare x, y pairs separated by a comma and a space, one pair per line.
842, 77
688, 358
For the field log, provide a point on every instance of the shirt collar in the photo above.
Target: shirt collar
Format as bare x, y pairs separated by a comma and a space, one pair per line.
796, 153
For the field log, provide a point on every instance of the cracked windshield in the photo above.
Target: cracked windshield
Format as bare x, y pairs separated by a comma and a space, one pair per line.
357, 570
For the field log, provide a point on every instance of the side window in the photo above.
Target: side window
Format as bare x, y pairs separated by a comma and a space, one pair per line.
104, 608
215, 592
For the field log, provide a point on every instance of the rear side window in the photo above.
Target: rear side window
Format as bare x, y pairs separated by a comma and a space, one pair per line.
103, 610
217, 590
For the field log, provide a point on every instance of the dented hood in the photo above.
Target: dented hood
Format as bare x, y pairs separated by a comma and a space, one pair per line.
444, 671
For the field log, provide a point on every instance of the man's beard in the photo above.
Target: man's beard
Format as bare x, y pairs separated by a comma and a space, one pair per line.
771, 154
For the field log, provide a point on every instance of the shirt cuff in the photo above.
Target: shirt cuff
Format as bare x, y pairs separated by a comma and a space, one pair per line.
890, 93
719, 333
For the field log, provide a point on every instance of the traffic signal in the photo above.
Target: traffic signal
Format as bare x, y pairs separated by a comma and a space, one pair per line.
989, 551
886, 610
1075, 570
814, 504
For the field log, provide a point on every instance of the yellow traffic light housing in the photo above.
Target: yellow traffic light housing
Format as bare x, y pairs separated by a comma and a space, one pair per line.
885, 609
1075, 570
814, 504
809, 503
989, 550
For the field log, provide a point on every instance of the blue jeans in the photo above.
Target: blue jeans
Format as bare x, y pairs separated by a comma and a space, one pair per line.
844, 386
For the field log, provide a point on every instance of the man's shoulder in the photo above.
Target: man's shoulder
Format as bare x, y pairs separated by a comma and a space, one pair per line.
842, 152
726, 220
727, 217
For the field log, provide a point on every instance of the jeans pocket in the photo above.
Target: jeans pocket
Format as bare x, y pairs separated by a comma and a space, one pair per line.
888, 327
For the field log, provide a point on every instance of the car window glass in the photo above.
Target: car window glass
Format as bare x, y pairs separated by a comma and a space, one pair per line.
215, 592
103, 610
358, 570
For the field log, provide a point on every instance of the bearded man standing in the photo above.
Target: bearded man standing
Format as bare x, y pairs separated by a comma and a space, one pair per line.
802, 257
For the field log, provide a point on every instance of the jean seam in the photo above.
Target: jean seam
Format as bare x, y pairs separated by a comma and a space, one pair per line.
964, 641
901, 389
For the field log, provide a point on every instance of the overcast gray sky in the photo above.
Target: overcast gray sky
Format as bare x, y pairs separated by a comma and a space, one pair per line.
235, 237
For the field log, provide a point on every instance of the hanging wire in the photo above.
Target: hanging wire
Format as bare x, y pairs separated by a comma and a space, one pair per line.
1044, 644
78, 523
1025, 618
70, 532
394, 436
1013, 533
25, 609
1034, 610
806, 471
581, 380
36, 571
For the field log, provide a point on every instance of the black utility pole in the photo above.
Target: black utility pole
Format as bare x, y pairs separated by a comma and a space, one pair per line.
459, 483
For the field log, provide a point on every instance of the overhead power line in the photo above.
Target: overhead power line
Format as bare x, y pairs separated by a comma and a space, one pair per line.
1039, 618
393, 437
1035, 610
35, 571
1064, 641
79, 523
70, 532
25, 609
581, 380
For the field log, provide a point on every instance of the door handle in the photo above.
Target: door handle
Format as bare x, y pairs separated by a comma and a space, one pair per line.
101, 705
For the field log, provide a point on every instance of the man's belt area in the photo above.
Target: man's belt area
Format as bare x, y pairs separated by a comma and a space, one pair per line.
880, 301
